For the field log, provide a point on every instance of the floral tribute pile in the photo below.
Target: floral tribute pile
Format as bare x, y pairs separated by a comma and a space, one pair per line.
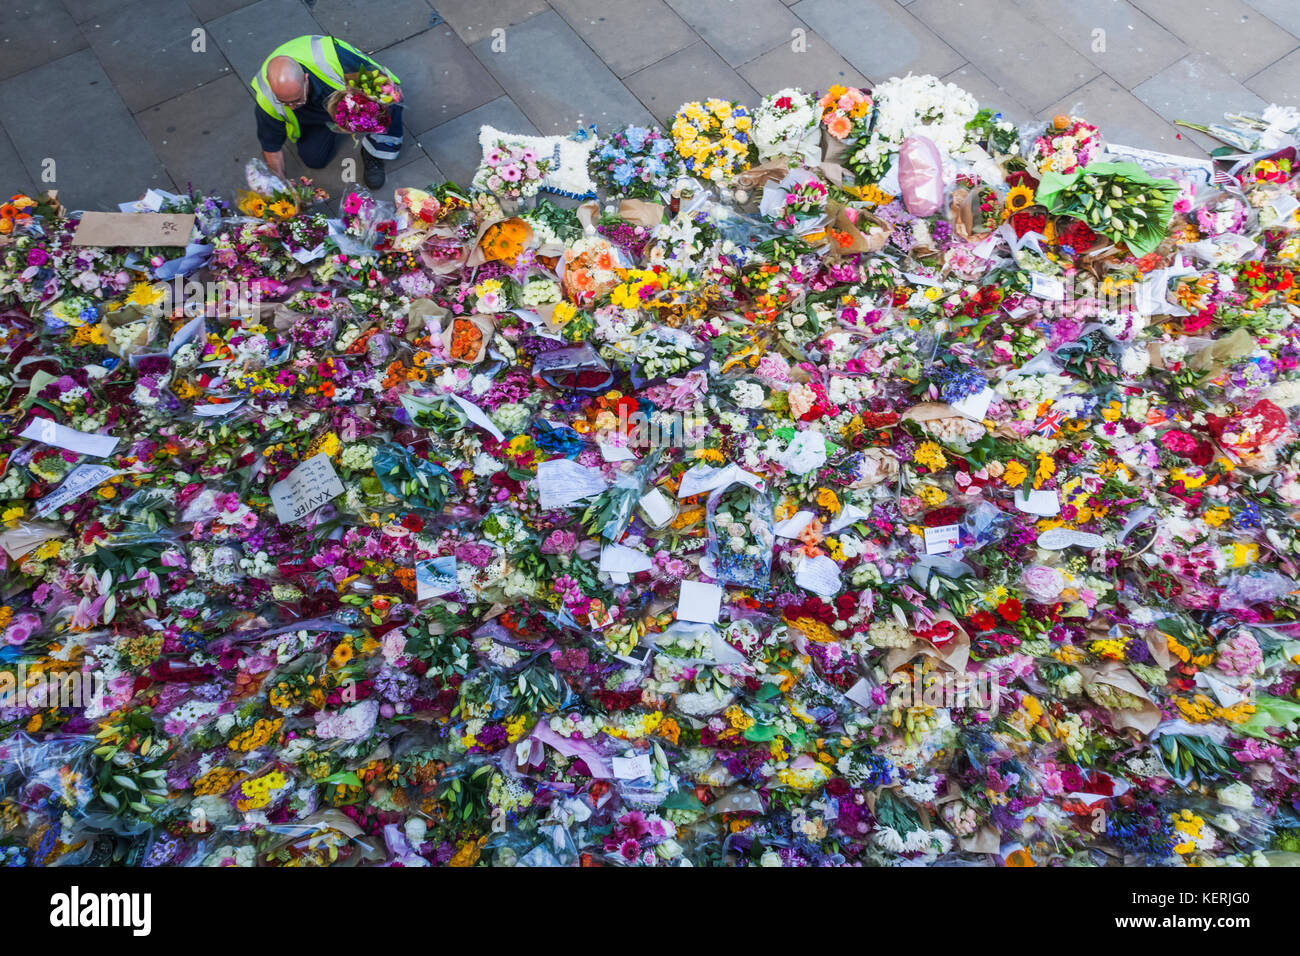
860, 481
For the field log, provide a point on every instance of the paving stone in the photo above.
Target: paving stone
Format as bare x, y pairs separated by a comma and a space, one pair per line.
1279, 83
207, 10
879, 37
84, 11
473, 19
33, 32
1241, 39
370, 26
420, 173
440, 77
695, 73
628, 35
1023, 57
67, 111
556, 79
739, 30
13, 175
990, 95
205, 136
146, 48
1123, 118
1285, 13
816, 67
1133, 47
248, 35
1196, 89
454, 145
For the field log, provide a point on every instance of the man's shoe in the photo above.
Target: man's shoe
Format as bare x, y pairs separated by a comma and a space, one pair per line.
374, 174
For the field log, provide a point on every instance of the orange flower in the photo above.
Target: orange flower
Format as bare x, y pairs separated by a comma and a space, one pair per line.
466, 340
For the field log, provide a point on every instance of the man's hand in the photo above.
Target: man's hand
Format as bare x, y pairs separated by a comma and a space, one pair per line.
275, 162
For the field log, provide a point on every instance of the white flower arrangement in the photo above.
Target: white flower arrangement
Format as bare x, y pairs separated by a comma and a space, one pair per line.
785, 123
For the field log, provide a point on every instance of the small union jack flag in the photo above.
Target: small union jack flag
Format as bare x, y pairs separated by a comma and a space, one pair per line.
1050, 424
1222, 178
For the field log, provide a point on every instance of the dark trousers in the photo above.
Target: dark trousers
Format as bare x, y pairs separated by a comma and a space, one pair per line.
317, 145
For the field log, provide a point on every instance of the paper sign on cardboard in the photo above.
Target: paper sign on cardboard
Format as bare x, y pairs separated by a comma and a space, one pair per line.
133, 229
310, 485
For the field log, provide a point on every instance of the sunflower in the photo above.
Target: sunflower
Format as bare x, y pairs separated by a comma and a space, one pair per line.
1019, 199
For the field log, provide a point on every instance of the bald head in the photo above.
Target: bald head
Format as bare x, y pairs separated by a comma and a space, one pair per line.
288, 80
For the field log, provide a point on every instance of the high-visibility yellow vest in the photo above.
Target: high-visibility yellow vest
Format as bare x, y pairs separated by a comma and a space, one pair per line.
316, 53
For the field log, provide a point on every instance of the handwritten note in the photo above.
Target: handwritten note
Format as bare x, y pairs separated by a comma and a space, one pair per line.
561, 482
699, 601
61, 436
820, 574
942, 539
310, 485
81, 480
434, 577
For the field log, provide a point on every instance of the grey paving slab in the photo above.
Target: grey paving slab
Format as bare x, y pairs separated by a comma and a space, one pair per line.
33, 32
1285, 13
1238, 36
247, 36
1123, 118
205, 136
207, 10
1113, 35
1199, 90
454, 145
84, 11
475, 19
419, 173
13, 175
147, 50
695, 73
627, 34
1023, 57
1279, 83
555, 78
814, 67
68, 112
991, 96
440, 77
879, 37
739, 30
370, 26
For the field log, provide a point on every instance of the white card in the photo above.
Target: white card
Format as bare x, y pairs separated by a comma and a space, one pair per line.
631, 768
1046, 503
860, 694
1057, 539
1285, 205
79, 481
1047, 287
612, 452
434, 577
848, 514
619, 558
657, 506
310, 485
479, 417
61, 436
942, 539
819, 574
561, 482
976, 406
699, 602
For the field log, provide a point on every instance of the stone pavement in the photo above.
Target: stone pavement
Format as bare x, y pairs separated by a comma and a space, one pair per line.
120, 95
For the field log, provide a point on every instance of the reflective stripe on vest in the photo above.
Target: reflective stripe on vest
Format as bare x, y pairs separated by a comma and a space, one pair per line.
309, 52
